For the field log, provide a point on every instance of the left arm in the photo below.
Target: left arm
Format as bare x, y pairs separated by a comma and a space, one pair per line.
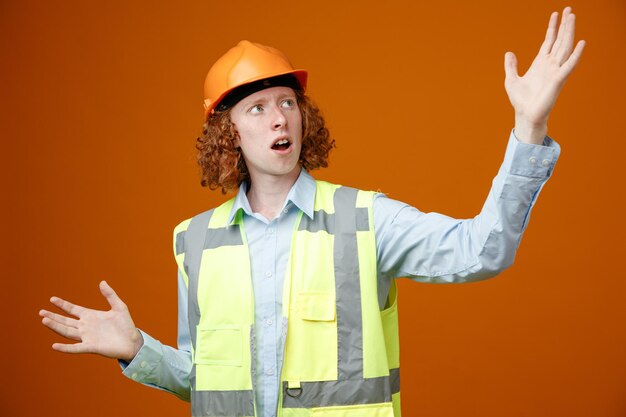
432, 247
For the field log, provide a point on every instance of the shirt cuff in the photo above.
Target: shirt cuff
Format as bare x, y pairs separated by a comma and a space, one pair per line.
528, 160
145, 361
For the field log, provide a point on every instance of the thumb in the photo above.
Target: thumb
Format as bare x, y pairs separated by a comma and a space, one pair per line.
510, 65
114, 301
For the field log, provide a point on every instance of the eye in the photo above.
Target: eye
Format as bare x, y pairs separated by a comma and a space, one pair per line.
288, 103
256, 109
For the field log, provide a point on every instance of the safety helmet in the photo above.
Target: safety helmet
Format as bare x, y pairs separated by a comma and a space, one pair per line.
243, 64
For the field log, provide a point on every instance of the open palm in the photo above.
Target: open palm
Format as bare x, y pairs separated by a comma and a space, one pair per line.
533, 95
109, 333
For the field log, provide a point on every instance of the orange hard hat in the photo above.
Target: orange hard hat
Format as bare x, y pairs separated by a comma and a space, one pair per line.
243, 64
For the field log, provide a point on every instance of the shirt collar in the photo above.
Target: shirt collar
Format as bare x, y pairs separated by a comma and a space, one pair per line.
302, 195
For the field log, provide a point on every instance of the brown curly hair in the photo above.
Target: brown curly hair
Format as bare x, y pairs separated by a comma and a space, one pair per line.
222, 163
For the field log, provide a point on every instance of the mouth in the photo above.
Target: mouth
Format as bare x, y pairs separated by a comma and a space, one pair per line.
281, 144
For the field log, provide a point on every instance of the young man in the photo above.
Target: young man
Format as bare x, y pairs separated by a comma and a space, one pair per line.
287, 300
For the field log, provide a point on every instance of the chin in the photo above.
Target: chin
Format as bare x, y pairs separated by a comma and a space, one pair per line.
288, 170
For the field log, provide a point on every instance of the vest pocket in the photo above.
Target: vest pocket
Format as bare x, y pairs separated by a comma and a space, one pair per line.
219, 345
311, 346
389, 318
362, 410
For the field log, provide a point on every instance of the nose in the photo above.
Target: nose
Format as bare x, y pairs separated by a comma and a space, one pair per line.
278, 118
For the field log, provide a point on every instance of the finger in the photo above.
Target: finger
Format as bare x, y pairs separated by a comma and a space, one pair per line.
71, 348
59, 318
114, 301
68, 307
550, 34
572, 61
568, 40
510, 66
63, 330
561, 33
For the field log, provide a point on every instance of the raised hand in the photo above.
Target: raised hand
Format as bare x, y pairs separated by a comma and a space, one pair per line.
108, 333
533, 95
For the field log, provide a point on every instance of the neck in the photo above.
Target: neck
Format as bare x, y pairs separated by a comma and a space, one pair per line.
267, 193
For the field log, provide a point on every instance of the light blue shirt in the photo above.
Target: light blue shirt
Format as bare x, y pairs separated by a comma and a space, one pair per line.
426, 247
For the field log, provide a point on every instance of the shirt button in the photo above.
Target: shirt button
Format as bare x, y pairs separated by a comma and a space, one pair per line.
270, 371
268, 274
545, 163
269, 322
532, 160
270, 231
143, 364
286, 211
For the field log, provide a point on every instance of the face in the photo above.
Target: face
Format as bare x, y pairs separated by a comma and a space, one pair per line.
269, 124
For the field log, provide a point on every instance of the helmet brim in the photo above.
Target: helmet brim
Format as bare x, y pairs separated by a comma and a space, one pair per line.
300, 74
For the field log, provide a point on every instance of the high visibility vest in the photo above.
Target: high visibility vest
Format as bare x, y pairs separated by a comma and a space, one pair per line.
341, 353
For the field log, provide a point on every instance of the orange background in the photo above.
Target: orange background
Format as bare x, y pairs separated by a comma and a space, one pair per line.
101, 105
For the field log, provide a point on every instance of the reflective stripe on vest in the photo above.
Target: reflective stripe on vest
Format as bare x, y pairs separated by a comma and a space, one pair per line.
342, 227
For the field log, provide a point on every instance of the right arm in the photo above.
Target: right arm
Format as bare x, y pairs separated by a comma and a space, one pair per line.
113, 334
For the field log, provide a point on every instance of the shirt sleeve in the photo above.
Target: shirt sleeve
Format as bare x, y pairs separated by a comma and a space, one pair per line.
161, 366
431, 247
